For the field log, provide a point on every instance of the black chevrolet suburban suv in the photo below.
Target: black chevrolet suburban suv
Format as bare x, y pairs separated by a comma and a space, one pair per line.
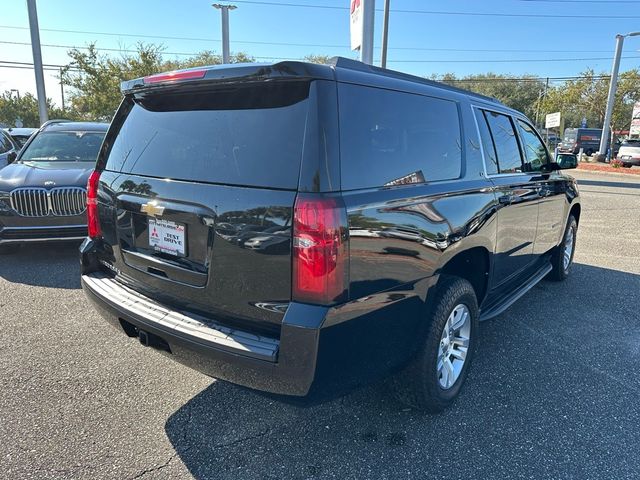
305, 229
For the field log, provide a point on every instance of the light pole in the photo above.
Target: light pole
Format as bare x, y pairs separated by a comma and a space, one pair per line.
612, 92
224, 10
385, 34
37, 60
368, 19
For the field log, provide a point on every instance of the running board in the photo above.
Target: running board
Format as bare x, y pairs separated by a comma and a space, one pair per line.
515, 296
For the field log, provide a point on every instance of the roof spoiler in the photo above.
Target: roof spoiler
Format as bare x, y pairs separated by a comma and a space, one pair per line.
239, 72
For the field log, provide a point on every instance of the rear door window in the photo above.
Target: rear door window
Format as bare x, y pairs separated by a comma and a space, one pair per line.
505, 142
251, 136
394, 138
488, 148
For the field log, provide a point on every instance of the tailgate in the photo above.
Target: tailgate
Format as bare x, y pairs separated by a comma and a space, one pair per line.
197, 196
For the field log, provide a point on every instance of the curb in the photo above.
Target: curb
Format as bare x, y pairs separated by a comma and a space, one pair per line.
613, 174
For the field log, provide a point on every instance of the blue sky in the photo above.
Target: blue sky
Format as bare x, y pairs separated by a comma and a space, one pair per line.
546, 44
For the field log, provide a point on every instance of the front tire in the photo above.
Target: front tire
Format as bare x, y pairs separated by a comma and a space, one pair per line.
562, 257
433, 380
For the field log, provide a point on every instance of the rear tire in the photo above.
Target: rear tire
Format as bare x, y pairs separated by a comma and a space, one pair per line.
433, 380
562, 257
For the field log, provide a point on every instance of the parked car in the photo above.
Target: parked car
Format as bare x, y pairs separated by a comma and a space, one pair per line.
8, 149
20, 135
587, 139
553, 141
43, 192
463, 210
629, 153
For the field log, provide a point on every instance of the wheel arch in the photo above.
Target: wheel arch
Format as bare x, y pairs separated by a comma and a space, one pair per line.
575, 211
474, 265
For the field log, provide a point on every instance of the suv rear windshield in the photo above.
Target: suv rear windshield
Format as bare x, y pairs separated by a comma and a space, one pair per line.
241, 135
63, 147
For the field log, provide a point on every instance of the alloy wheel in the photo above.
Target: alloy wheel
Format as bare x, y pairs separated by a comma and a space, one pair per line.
454, 344
568, 248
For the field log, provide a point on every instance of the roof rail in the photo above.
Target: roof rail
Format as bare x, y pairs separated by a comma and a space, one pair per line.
55, 120
348, 63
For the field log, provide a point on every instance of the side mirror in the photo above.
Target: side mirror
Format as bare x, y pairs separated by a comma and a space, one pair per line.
11, 157
566, 161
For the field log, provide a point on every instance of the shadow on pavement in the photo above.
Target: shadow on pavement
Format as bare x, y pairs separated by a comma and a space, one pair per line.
54, 265
601, 183
552, 393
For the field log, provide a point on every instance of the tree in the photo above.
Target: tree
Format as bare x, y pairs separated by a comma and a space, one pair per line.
25, 108
586, 97
521, 93
313, 58
95, 79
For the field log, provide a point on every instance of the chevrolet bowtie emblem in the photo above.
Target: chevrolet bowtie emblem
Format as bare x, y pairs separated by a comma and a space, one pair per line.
152, 209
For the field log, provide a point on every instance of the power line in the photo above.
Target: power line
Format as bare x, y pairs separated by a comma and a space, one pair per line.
486, 50
582, 1
292, 44
512, 60
502, 60
12, 64
436, 12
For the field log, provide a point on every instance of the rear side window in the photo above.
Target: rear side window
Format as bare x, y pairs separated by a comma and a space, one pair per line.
505, 142
242, 135
395, 138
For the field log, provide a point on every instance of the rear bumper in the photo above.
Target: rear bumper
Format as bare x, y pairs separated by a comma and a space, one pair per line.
282, 366
630, 161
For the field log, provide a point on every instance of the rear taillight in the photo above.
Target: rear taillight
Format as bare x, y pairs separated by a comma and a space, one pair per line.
320, 250
93, 223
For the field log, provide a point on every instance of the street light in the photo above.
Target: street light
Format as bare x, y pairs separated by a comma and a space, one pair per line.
612, 91
224, 9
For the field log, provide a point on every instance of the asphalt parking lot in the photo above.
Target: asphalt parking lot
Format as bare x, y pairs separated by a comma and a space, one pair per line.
553, 393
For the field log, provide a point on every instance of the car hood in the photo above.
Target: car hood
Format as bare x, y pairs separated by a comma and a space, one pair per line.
45, 174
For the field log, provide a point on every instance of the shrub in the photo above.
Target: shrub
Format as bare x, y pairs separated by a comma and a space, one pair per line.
616, 163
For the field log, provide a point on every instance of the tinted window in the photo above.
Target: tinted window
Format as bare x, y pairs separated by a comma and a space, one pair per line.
394, 138
5, 143
242, 136
535, 152
506, 144
570, 136
64, 147
490, 157
20, 139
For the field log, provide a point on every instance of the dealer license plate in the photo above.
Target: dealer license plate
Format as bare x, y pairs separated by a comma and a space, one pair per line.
167, 237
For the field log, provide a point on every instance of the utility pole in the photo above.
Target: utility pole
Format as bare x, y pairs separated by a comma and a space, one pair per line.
224, 10
368, 19
61, 90
37, 60
385, 34
612, 92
